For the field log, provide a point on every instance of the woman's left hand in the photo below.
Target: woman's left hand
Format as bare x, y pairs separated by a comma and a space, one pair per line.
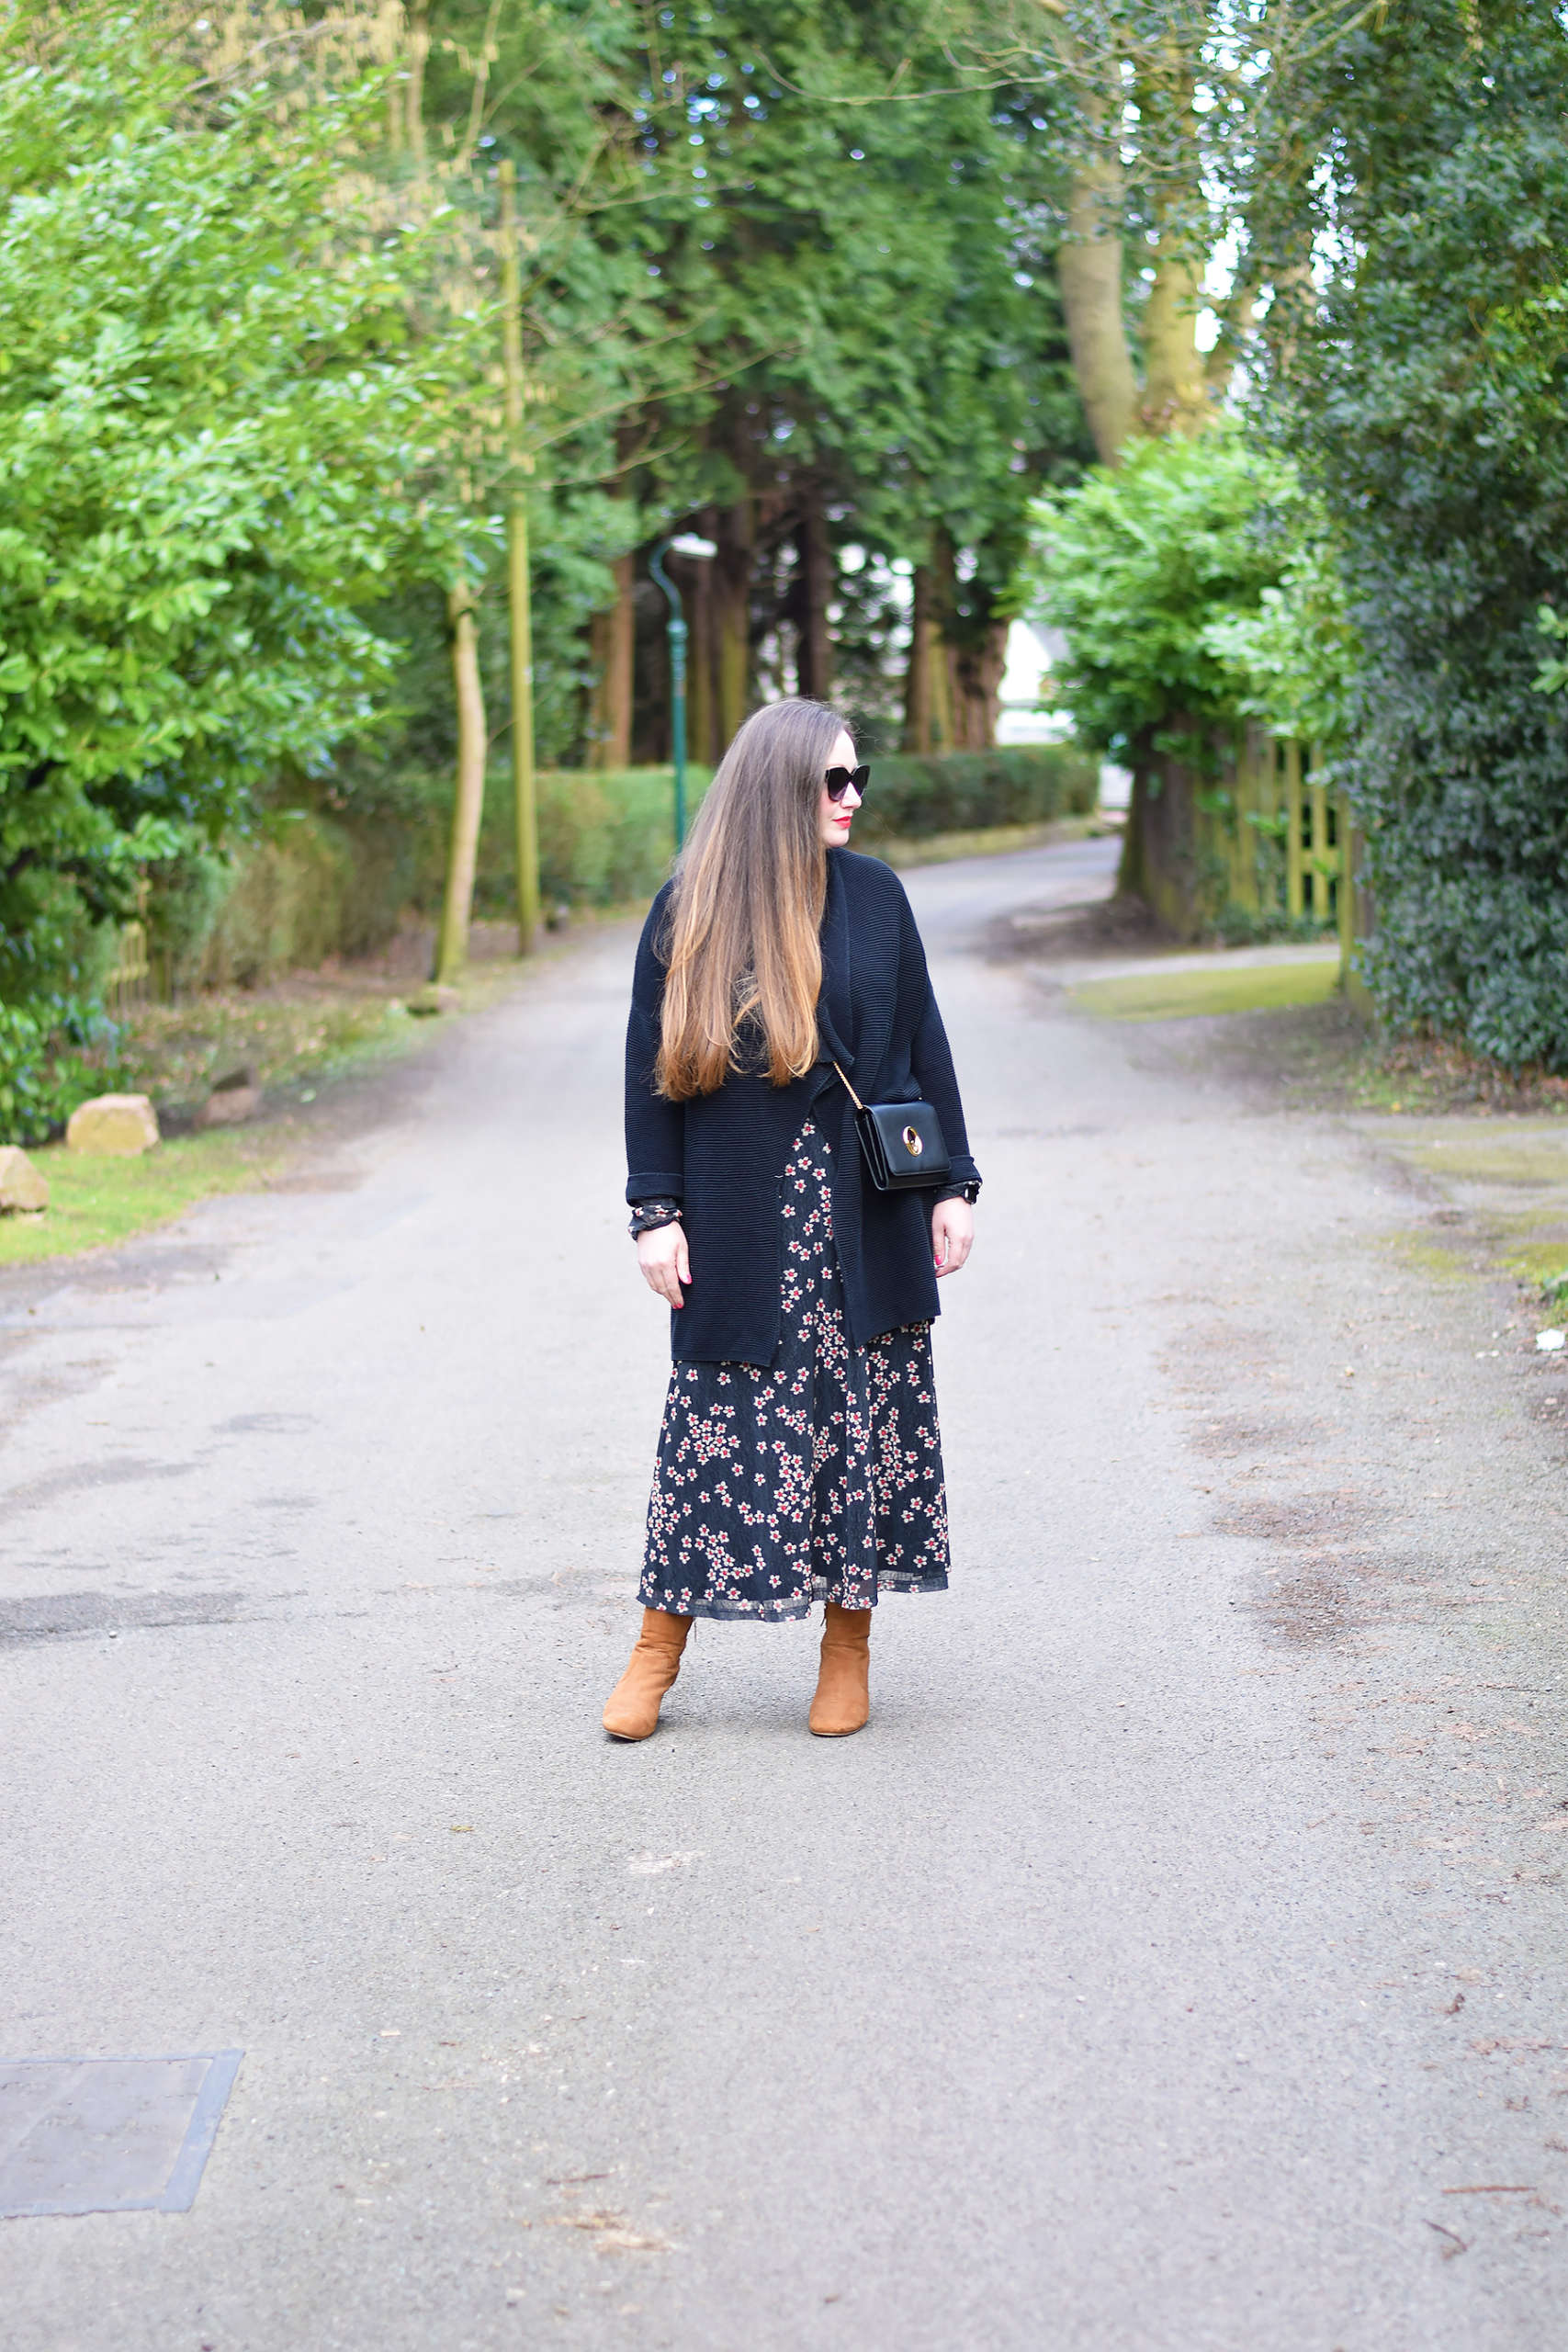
952, 1235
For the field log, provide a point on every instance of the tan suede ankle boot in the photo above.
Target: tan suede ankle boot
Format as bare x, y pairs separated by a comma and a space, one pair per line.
633, 1709
843, 1683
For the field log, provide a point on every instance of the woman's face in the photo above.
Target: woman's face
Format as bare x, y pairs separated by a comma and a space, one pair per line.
834, 816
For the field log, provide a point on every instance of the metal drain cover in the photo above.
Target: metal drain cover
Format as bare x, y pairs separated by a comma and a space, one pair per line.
108, 2135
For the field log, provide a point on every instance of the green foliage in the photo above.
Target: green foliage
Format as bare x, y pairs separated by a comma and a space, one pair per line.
1553, 675
606, 836
43, 1073
304, 889
219, 438
1293, 659
574, 531
854, 305
211, 451
877, 269
309, 886
1426, 396
1146, 568
911, 798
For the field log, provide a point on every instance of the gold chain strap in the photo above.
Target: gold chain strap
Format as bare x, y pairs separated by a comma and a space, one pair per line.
854, 1098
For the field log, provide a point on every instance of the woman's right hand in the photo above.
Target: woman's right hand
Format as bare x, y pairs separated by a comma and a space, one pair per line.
665, 1264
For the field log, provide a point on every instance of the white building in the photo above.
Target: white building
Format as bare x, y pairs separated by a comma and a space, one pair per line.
1033, 652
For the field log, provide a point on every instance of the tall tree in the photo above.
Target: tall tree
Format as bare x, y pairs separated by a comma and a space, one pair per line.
867, 277
221, 439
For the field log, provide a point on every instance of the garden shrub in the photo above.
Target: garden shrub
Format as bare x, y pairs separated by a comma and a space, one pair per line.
311, 885
912, 797
606, 836
44, 1070
1149, 568
1424, 389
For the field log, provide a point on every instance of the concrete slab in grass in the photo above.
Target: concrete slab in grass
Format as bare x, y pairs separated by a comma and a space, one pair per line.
108, 2135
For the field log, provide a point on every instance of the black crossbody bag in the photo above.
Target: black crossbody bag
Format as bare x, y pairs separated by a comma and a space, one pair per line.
903, 1143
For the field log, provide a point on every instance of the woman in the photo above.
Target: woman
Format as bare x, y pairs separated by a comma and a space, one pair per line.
799, 1457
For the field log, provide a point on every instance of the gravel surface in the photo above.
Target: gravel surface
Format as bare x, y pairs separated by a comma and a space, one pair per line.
1177, 1961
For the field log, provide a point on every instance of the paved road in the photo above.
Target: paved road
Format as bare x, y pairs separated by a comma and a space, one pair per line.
1170, 1965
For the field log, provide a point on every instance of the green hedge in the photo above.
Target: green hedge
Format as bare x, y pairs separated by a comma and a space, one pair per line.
962, 792
316, 885
308, 887
606, 836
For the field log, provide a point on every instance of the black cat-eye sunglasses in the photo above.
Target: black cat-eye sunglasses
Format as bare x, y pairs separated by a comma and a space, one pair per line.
839, 781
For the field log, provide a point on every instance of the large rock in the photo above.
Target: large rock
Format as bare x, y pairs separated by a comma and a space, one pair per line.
231, 1108
232, 1100
22, 1186
113, 1126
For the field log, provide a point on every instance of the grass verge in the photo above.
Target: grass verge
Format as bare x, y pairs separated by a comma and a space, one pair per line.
94, 1203
1206, 990
295, 1039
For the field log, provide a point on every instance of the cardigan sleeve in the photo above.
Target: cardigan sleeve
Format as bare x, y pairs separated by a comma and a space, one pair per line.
930, 1057
656, 1130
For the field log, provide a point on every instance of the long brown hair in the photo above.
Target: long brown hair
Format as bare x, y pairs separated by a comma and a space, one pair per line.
740, 938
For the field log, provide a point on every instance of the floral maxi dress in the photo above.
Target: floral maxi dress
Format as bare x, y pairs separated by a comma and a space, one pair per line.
817, 1477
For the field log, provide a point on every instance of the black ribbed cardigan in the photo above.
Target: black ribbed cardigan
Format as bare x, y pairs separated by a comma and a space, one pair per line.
722, 1155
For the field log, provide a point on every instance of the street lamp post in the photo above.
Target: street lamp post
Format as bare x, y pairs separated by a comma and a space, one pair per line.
689, 544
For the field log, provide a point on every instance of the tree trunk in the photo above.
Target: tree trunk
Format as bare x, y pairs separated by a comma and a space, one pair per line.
976, 681
932, 695
943, 655
814, 661
1160, 850
1088, 272
939, 657
610, 645
419, 50
732, 603
456, 913
1176, 390
918, 675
